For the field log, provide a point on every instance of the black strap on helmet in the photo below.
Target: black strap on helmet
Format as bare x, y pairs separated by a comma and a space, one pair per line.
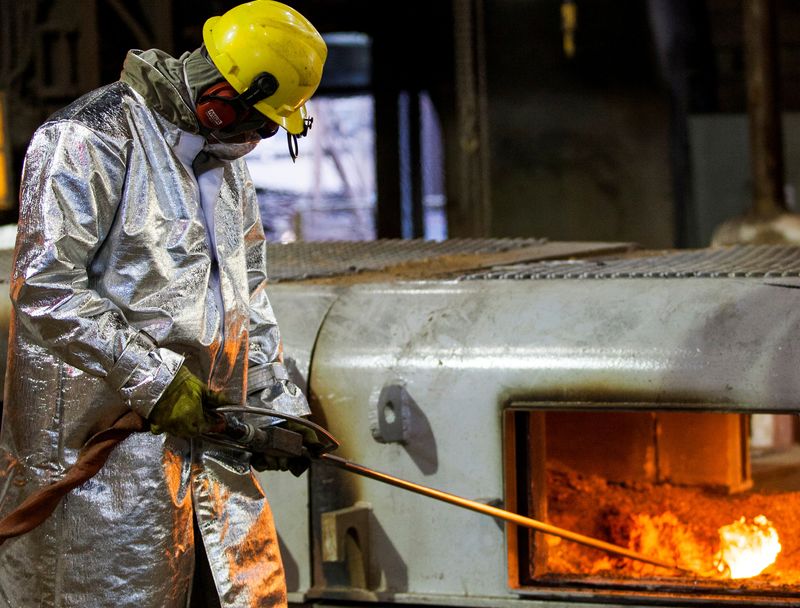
292, 138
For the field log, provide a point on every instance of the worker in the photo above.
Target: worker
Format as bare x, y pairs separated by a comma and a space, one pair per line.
139, 283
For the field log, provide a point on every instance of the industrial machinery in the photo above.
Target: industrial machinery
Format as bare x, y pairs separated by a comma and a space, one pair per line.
602, 388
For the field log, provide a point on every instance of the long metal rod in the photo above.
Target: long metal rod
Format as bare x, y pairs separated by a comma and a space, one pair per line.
514, 518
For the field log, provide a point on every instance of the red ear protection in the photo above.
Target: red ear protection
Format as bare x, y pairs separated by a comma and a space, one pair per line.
215, 108
220, 106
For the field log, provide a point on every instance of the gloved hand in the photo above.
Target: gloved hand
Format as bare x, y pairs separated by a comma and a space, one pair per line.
262, 462
179, 411
311, 441
296, 464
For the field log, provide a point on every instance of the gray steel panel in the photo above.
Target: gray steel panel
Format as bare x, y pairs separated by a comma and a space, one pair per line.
300, 315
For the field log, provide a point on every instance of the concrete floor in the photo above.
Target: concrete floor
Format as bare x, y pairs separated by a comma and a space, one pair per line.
777, 471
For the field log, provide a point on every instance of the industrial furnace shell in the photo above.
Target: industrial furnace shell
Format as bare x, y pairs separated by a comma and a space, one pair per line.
414, 377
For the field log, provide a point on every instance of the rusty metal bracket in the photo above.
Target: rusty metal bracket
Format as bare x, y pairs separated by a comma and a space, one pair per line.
345, 541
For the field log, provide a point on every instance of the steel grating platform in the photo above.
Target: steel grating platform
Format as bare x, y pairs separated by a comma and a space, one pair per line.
725, 262
305, 259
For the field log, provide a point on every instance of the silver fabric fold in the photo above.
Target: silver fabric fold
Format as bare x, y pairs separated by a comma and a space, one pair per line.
283, 396
129, 359
260, 377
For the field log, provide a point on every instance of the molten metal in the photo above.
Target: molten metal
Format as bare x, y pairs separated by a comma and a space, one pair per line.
747, 549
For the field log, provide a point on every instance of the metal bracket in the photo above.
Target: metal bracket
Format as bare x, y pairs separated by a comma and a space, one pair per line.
393, 411
346, 542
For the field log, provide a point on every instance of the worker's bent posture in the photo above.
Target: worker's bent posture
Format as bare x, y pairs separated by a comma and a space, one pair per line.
138, 283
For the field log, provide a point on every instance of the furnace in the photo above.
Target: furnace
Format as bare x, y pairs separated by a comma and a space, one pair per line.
674, 485
598, 386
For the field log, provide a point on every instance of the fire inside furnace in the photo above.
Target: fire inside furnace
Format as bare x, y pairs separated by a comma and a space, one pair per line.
747, 548
677, 489
688, 526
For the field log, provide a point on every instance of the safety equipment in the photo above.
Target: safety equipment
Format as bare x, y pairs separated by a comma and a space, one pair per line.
262, 44
227, 151
179, 411
269, 386
220, 107
137, 254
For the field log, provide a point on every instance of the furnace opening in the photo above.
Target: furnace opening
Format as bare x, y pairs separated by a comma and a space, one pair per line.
686, 487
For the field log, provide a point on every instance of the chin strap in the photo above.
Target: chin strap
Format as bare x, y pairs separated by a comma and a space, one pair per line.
292, 138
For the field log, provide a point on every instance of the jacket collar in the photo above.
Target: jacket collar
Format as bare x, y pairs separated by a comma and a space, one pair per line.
159, 78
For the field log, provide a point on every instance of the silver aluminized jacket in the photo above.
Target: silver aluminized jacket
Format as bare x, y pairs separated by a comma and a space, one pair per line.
136, 251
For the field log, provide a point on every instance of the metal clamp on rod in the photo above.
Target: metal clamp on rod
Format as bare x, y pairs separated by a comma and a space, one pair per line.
234, 430
271, 440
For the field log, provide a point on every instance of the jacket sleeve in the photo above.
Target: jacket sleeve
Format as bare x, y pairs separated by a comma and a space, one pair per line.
71, 186
268, 383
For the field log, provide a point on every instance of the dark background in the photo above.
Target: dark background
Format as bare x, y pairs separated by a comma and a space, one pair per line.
601, 145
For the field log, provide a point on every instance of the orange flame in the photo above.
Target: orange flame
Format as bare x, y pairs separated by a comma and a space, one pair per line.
747, 549
667, 538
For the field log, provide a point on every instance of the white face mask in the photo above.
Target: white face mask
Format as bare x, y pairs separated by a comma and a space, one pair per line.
229, 151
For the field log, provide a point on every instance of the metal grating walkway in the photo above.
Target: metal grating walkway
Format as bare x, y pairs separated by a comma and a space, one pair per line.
304, 259
727, 262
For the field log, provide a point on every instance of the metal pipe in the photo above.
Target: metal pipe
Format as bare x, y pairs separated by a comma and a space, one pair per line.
763, 104
513, 518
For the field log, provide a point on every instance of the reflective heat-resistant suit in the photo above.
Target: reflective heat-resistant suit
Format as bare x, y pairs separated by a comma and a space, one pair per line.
137, 249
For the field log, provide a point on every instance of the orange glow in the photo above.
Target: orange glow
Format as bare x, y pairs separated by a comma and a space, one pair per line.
4, 171
667, 538
684, 525
747, 549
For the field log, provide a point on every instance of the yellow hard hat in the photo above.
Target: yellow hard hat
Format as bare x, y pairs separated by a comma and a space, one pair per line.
267, 36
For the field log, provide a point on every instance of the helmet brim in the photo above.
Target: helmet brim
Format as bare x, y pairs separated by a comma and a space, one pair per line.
293, 123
